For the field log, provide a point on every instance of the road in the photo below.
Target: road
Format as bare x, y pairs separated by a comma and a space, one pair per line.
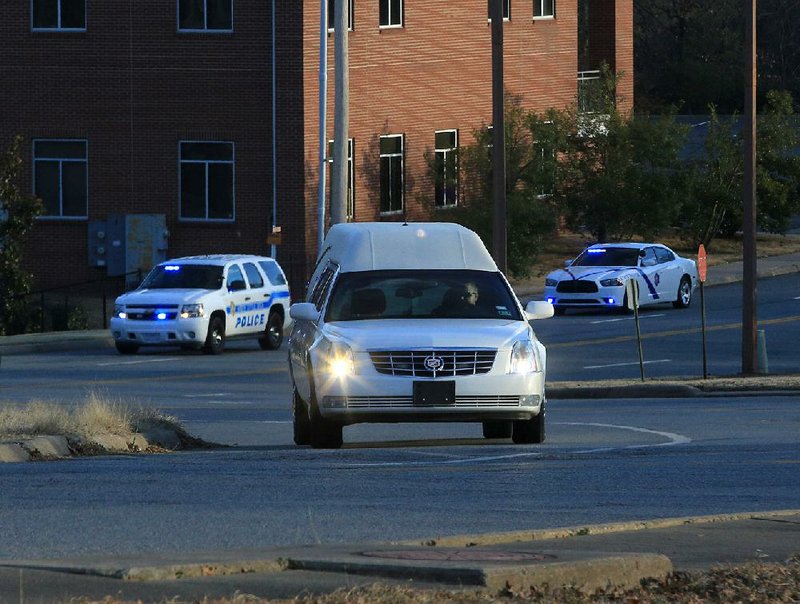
604, 461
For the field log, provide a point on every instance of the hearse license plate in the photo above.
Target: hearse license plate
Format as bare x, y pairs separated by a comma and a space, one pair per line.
434, 394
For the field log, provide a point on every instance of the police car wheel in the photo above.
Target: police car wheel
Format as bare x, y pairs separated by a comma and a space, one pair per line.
497, 429
302, 425
273, 333
684, 298
215, 340
126, 347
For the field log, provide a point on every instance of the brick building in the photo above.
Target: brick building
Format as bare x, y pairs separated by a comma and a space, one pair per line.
165, 109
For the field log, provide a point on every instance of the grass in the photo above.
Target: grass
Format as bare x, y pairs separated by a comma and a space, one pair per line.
97, 415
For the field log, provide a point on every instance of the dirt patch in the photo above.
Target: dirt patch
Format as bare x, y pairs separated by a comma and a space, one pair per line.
788, 382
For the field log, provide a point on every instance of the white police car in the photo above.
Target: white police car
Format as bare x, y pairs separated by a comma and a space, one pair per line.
201, 301
596, 278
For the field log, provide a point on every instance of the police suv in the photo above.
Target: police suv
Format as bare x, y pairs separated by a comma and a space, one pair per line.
202, 301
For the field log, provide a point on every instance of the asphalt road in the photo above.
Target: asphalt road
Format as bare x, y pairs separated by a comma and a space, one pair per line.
610, 460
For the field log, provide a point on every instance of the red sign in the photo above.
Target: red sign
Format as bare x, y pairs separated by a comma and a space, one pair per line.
702, 265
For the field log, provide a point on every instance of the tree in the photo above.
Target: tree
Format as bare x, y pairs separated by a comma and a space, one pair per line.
530, 166
619, 175
18, 213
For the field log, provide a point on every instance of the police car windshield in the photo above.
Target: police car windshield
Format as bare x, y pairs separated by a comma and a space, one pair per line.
608, 256
421, 294
184, 276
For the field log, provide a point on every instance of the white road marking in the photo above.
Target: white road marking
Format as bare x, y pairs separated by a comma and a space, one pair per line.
208, 395
139, 362
672, 440
625, 364
648, 316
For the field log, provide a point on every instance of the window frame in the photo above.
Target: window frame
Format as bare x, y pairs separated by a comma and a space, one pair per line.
444, 152
62, 160
58, 10
399, 19
206, 29
389, 156
206, 163
541, 5
350, 16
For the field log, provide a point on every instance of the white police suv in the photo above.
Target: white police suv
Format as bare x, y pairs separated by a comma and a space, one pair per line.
202, 301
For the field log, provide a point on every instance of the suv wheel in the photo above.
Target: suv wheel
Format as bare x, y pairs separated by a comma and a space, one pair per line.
215, 340
273, 332
126, 348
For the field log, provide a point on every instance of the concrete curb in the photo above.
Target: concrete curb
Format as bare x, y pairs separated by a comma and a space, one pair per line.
628, 391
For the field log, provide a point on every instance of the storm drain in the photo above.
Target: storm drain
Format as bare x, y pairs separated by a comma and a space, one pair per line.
459, 555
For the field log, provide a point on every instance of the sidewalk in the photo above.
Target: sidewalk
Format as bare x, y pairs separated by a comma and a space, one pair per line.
588, 557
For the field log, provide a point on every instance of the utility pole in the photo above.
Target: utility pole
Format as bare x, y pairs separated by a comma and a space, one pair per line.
341, 114
323, 114
749, 284
498, 139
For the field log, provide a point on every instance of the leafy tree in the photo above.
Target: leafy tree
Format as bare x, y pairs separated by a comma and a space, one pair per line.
17, 215
530, 165
619, 175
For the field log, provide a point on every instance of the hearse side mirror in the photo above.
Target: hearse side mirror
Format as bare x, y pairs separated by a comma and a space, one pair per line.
539, 309
304, 311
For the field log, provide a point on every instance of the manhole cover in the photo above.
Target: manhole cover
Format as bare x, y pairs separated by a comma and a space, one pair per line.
459, 555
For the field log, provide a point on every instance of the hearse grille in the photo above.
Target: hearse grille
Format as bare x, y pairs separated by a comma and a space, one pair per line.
433, 363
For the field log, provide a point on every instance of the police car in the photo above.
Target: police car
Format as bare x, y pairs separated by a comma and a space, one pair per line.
597, 277
202, 301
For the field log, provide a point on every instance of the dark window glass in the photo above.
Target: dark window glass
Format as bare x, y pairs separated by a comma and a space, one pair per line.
664, 255
220, 14
391, 144
46, 187
45, 14
183, 276
193, 191
73, 14
390, 12
235, 280
73, 179
190, 14
207, 151
59, 149
220, 191
273, 273
611, 256
506, 9
253, 276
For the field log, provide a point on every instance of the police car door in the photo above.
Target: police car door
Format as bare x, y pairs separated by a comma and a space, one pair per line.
669, 274
648, 277
258, 301
238, 298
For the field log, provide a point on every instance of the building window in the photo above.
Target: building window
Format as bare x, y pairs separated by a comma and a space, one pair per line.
446, 166
391, 13
351, 194
332, 14
544, 8
506, 9
60, 177
205, 15
206, 181
392, 173
63, 15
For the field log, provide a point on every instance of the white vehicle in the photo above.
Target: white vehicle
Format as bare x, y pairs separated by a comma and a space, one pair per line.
413, 323
202, 301
596, 278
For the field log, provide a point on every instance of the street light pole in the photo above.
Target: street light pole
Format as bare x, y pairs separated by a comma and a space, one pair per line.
341, 113
749, 284
498, 139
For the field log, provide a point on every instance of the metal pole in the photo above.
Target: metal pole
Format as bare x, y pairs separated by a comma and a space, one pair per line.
703, 326
323, 101
749, 323
639, 338
273, 248
341, 115
498, 140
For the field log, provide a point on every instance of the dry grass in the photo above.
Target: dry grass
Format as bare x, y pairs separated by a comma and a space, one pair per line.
95, 416
752, 583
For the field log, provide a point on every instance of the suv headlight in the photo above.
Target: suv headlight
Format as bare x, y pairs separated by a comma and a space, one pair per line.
550, 282
191, 311
524, 358
613, 282
119, 311
339, 360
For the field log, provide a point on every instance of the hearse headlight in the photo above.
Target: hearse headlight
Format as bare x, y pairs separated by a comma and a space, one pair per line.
191, 311
339, 359
524, 358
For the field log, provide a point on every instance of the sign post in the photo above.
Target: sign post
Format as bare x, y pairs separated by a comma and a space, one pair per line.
632, 297
702, 269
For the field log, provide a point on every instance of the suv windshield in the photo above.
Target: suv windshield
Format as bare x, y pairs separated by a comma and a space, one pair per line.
608, 256
421, 294
183, 276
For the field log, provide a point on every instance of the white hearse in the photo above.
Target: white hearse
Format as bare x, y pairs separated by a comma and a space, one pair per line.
202, 301
413, 323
